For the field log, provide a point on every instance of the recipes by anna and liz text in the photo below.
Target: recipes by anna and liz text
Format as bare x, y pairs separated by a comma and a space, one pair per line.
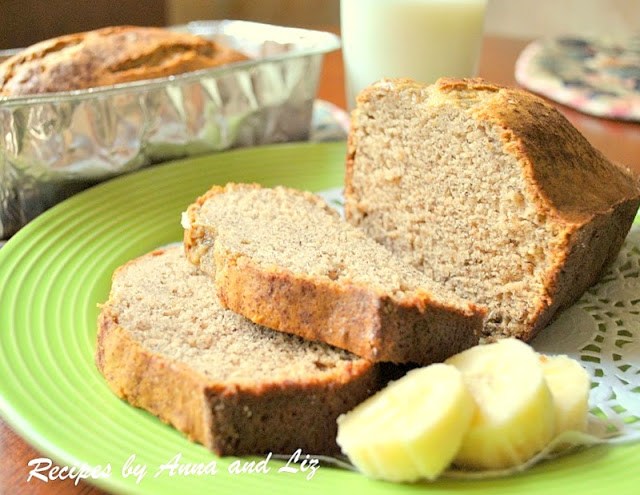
43, 469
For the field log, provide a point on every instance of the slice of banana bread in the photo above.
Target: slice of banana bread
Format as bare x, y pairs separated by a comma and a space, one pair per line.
166, 345
490, 191
286, 260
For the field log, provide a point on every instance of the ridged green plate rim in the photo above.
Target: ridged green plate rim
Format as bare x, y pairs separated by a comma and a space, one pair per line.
56, 270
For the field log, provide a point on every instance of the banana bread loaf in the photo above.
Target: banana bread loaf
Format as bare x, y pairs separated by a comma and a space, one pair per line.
286, 260
490, 191
166, 345
108, 56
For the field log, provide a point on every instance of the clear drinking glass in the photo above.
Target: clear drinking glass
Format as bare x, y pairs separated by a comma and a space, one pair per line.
420, 39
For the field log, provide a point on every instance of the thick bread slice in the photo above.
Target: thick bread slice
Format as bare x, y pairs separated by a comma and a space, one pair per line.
286, 260
166, 345
490, 191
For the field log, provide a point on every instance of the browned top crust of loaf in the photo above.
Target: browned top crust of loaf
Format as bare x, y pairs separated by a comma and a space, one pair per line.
166, 345
542, 138
561, 224
108, 56
284, 259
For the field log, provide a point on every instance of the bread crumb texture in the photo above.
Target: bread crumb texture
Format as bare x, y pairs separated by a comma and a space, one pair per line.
297, 231
489, 191
170, 307
285, 259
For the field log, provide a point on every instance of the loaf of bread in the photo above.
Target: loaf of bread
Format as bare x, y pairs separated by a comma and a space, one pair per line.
166, 345
284, 259
488, 190
108, 56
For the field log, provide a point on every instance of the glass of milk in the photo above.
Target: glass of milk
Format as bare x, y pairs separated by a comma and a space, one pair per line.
420, 39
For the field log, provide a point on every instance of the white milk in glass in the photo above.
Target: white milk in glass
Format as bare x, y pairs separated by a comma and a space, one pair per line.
420, 39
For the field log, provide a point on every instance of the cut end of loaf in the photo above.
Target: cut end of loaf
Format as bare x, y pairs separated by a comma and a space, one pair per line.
489, 191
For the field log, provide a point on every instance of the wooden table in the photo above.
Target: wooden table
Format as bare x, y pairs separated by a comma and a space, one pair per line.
618, 141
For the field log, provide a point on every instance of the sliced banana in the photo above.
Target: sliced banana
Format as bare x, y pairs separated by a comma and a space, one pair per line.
515, 416
410, 430
569, 384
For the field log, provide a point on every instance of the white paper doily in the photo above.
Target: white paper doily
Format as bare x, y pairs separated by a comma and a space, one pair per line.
602, 331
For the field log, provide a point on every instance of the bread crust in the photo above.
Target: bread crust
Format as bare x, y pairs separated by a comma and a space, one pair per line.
171, 391
590, 201
598, 240
585, 185
108, 56
229, 418
348, 315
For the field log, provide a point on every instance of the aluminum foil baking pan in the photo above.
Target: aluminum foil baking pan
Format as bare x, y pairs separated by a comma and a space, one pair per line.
56, 144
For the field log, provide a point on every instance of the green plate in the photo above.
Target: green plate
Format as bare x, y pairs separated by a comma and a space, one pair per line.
56, 270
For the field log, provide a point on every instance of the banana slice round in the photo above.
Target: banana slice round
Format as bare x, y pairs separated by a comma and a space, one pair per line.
515, 416
569, 384
410, 430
